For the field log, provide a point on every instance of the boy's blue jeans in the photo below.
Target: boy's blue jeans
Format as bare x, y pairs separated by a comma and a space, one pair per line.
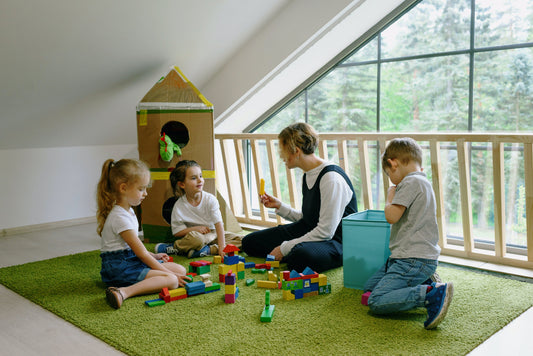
398, 285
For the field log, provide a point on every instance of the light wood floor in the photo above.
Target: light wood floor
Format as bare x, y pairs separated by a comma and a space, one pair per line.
27, 329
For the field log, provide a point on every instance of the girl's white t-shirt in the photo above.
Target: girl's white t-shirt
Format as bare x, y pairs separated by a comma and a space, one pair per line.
118, 220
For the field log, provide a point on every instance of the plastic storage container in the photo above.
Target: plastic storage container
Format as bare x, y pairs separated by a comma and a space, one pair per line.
365, 241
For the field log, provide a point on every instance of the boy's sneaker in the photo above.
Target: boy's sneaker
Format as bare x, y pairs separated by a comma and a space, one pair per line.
165, 248
434, 278
204, 251
437, 302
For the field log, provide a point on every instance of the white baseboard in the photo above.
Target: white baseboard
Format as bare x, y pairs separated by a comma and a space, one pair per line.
46, 226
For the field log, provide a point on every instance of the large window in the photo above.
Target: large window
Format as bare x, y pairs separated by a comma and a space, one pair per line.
442, 65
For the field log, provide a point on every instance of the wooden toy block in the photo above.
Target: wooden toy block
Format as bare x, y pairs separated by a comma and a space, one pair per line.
249, 264
170, 259
230, 288
263, 266
324, 289
250, 281
270, 258
200, 263
310, 294
205, 277
203, 269
229, 298
217, 259
267, 284
287, 295
213, 288
241, 275
164, 292
262, 187
272, 276
154, 302
240, 267
256, 270
286, 275
273, 264
177, 292
268, 310
223, 269
208, 283
322, 279
172, 299
364, 298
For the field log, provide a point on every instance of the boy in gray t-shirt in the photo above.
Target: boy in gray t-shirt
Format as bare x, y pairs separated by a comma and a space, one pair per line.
405, 280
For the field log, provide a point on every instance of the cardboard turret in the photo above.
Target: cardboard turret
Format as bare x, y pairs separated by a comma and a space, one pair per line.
175, 109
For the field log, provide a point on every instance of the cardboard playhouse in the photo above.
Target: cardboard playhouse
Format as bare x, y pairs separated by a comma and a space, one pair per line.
174, 123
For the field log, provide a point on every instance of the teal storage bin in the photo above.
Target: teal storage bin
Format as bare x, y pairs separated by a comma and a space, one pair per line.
365, 244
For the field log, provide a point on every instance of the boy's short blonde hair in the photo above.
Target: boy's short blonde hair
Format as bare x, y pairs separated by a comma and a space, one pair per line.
403, 149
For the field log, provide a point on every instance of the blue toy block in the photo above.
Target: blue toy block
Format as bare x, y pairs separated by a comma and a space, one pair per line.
194, 288
249, 264
231, 260
308, 271
230, 279
314, 287
298, 293
294, 274
270, 258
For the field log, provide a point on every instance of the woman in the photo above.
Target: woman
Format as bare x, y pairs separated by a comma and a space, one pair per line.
314, 239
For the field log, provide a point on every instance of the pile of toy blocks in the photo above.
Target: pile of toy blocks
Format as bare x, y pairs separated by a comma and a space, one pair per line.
300, 285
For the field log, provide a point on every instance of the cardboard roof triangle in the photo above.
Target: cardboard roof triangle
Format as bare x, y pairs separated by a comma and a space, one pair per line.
174, 91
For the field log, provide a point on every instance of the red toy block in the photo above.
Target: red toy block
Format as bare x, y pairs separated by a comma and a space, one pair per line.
364, 298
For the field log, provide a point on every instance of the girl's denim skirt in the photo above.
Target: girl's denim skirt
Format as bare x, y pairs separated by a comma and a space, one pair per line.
122, 268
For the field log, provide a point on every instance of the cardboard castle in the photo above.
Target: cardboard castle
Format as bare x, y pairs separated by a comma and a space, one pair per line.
175, 108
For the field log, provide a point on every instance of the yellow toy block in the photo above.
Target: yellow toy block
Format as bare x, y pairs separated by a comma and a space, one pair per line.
240, 267
322, 279
177, 292
274, 264
223, 269
217, 259
267, 284
231, 289
272, 276
287, 295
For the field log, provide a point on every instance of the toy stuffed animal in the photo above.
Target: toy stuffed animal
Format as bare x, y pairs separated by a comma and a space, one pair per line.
167, 148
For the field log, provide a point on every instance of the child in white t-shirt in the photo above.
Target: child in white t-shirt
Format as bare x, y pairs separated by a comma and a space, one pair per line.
196, 219
128, 269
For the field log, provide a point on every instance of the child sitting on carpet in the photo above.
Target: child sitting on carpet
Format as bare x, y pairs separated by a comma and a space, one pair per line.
196, 219
128, 269
405, 280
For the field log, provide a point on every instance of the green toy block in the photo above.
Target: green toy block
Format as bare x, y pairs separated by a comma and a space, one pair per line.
155, 302
204, 269
324, 289
268, 310
250, 281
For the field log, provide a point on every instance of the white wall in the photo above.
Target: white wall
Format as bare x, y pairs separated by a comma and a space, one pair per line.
52, 184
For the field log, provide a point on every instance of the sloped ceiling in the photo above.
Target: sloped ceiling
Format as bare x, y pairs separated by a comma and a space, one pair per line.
68, 68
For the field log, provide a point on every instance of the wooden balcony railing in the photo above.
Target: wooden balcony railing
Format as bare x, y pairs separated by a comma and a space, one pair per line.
488, 177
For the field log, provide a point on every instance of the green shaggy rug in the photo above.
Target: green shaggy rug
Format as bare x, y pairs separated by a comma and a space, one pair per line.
337, 323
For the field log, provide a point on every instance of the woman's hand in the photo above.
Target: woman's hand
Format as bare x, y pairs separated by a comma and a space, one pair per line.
276, 252
270, 202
